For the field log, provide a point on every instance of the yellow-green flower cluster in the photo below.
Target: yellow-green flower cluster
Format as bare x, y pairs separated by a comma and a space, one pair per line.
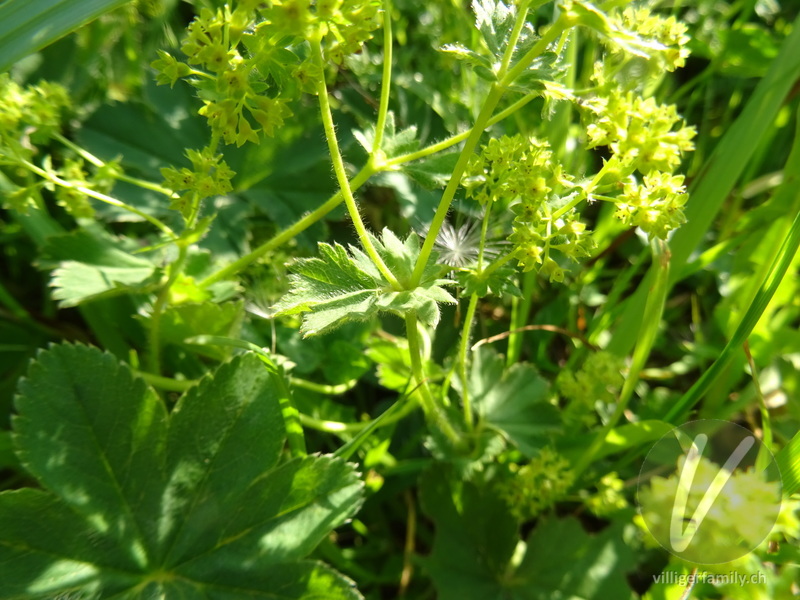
537, 486
345, 24
609, 497
655, 205
521, 173
247, 61
209, 176
69, 197
666, 35
647, 141
29, 116
643, 135
597, 381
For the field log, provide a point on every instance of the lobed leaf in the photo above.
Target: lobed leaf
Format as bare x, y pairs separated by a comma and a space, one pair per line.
89, 266
343, 284
514, 402
140, 504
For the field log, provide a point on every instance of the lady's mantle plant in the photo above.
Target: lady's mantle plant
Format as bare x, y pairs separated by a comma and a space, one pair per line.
141, 499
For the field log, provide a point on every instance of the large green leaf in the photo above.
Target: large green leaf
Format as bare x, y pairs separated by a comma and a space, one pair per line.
476, 551
345, 285
142, 504
29, 25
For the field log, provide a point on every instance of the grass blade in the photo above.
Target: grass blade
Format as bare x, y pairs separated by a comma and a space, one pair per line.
748, 322
27, 26
788, 461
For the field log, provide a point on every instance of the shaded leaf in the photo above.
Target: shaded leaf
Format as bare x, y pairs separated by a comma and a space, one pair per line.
432, 172
563, 558
89, 266
394, 143
473, 544
179, 323
476, 538
91, 434
515, 402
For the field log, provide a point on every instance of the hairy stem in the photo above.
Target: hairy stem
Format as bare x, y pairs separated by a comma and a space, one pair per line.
341, 173
99, 163
458, 138
360, 179
462, 359
98, 196
287, 234
481, 122
386, 81
439, 217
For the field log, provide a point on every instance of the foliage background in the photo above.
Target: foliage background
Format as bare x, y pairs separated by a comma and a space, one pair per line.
433, 523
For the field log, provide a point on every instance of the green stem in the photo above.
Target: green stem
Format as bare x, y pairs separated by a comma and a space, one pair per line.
360, 179
481, 122
552, 34
439, 217
484, 229
457, 139
167, 383
499, 263
522, 13
431, 408
462, 359
519, 318
98, 196
321, 388
587, 189
340, 427
99, 163
339, 169
386, 82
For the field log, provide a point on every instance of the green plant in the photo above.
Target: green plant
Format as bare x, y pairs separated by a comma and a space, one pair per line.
521, 175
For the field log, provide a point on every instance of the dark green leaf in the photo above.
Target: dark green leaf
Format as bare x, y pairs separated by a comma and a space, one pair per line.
394, 142
477, 552
179, 323
563, 558
474, 542
515, 402
92, 434
433, 172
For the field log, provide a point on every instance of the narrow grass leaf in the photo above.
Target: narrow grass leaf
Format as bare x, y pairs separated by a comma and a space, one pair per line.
27, 26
